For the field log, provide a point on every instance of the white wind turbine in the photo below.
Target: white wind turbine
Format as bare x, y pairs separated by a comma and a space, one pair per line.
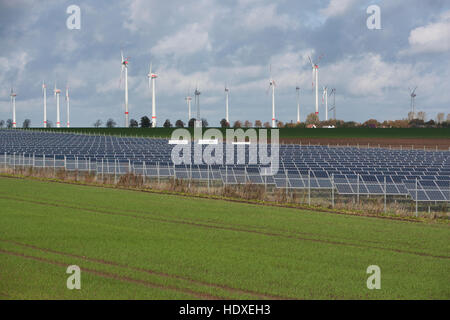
297, 89
315, 79
227, 90
325, 99
57, 93
333, 92
272, 85
13, 102
413, 101
44, 92
124, 65
188, 99
68, 106
198, 122
151, 82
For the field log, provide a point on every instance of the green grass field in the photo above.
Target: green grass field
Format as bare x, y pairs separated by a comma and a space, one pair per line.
137, 245
429, 133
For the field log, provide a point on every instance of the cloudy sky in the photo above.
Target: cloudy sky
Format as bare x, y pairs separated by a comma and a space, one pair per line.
212, 43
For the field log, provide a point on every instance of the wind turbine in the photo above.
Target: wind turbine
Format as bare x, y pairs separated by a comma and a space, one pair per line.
227, 90
198, 122
68, 106
315, 79
297, 89
325, 98
413, 101
44, 92
272, 85
333, 92
125, 69
188, 99
57, 93
13, 102
151, 81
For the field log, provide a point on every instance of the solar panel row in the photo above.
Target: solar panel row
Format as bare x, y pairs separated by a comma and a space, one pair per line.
347, 169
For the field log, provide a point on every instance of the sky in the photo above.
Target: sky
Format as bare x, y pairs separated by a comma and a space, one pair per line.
212, 43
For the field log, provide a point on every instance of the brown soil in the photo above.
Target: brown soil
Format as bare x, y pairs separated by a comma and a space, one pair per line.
404, 143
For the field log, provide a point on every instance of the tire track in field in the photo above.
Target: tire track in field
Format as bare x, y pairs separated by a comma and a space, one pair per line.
116, 276
207, 226
153, 272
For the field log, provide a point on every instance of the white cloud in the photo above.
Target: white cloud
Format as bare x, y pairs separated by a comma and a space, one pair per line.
369, 76
191, 39
434, 37
262, 17
337, 7
13, 67
140, 13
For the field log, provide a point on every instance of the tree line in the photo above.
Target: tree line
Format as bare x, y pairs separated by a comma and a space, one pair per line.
312, 121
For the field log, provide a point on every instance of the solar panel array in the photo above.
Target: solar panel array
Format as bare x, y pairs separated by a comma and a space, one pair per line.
422, 175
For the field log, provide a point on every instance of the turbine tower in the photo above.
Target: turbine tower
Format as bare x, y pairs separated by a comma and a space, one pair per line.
413, 101
315, 79
44, 92
227, 90
68, 106
272, 85
297, 89
13, 102
151, 81
125, 69
198, 122
188, 99
325, 99
333, 92
57, 93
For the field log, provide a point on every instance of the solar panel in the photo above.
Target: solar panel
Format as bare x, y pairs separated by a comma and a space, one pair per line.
363, 171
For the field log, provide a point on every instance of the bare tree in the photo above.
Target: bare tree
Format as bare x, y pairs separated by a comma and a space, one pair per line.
98, 123
258, 124
267, 125
134, 123
247, 124
110, 123
26, 123
237, 124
